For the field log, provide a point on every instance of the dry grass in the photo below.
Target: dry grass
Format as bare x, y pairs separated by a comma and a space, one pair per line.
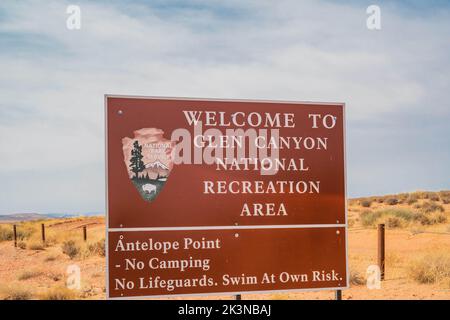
431, 268
97, 248
25, 275
7, 234
50, 258
58, 293
444, 196
22, 245
16, 293
279, 296
429, 206
35, 245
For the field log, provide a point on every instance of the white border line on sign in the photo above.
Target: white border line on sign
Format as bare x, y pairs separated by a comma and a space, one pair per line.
262, 226
224, 100
344, 137
106, 199
107, 229
227, 293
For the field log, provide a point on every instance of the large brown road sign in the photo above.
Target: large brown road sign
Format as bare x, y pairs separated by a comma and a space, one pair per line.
208, 196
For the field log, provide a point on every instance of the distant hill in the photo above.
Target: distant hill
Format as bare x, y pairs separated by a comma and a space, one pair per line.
40, 216
22, 217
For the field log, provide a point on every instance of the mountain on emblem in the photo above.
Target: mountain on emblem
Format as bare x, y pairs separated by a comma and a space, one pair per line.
157, 165
148, 160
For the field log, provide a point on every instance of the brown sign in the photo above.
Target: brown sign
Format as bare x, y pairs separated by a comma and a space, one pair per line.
224, 196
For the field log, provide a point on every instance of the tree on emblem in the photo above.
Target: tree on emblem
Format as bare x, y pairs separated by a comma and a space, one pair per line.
136, 163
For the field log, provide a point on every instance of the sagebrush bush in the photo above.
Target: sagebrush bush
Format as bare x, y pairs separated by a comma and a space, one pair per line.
392, 201
356, 278
70, 248
365, 203
445, 196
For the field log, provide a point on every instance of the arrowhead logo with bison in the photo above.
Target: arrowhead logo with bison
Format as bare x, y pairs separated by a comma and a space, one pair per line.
148, 161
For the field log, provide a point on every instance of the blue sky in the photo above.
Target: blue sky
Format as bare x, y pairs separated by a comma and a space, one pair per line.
395, 83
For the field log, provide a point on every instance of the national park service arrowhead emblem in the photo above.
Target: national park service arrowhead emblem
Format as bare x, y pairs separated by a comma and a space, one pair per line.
148, 159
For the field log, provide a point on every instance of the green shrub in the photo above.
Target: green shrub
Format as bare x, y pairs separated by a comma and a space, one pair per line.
404, 214
396, 218
368, 217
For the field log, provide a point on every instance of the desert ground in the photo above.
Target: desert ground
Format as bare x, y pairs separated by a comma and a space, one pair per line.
417, 253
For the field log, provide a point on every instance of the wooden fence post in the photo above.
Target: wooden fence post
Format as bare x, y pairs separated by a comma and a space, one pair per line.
15, 235
43, 232
84, 233
381, 250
